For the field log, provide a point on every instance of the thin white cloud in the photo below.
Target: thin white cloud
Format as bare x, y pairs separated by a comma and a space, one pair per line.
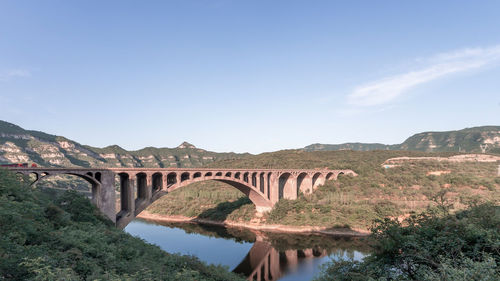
14, 73
389, 88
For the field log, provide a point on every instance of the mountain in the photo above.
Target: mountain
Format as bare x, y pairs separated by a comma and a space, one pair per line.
18, 145
476, 139
348, 146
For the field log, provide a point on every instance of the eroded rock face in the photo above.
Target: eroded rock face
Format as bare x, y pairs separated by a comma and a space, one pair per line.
471, 140
20, 146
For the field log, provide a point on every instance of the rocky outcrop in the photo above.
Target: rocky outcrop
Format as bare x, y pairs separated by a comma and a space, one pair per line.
484, 139
19, 146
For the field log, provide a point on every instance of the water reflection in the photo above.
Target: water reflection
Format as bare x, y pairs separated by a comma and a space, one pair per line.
272, 256
263, 262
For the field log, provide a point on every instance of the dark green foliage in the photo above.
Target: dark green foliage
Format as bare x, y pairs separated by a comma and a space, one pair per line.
463, 246
67, 239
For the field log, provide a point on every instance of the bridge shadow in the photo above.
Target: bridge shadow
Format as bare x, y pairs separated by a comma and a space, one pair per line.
224, 209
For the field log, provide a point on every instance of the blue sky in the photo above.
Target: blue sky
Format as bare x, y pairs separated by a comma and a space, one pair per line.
248, 75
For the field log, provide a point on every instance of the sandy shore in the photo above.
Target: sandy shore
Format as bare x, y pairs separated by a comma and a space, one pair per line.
263, 227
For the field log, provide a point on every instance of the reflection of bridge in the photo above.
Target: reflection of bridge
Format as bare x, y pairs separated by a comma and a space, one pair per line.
139, 187
263, 262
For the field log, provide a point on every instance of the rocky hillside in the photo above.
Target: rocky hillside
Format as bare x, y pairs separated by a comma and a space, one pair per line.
477, 140
358, 146
18, 145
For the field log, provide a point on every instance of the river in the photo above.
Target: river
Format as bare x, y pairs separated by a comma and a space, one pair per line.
256, 255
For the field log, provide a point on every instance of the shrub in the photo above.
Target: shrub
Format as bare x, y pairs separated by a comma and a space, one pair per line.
429, 247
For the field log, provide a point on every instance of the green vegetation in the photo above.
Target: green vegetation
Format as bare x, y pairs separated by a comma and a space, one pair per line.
65, 238
350, 201
466, 140
431, 246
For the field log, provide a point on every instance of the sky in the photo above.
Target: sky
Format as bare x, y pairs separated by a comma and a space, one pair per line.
248, 76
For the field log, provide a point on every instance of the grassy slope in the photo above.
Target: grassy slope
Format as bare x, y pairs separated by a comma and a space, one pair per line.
353, 202
66, 239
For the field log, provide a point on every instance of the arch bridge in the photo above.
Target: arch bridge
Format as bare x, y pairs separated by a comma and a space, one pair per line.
140, 187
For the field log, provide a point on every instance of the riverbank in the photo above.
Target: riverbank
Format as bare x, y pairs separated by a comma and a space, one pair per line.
254, 226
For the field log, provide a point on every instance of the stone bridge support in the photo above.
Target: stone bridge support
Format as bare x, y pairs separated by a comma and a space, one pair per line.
140, 187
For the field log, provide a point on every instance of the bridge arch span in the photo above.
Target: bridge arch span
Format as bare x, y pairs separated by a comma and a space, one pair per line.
132, 206
140, 187
256, 196
94, 179
286, 188
304, 183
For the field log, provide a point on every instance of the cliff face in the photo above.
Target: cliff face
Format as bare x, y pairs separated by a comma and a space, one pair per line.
18, 146
477, 140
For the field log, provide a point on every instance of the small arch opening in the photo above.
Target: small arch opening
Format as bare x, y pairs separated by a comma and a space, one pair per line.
197, 175
237, 175
125, 203
171, 179
304, 183
157, 182
98, 176
184, 176
261, 182
141, 188
228, 174
219, 174
209, 174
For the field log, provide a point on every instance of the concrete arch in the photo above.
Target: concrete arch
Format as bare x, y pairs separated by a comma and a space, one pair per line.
262, 182
218, 174
142, 186
253, 181
259, 199
286, 187
317, 180
237, 175
157, 181
95, 185
126, 195
98, 176
228, 174
185, 176
304, 183
131, 208
268, 182
171, 179
245, 176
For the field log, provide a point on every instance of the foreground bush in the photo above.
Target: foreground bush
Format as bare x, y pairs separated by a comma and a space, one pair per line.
67, 239
463, 246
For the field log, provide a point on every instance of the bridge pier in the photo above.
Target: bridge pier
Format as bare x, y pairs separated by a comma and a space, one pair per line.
140, 187
107, 195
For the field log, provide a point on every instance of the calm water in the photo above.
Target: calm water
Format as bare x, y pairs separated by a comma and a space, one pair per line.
256, 255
